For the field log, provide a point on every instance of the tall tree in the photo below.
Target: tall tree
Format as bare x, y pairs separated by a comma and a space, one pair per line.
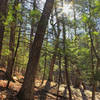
26, 92
65, 57
12, 40
66, 62
91, 29
32, 25
3, 14
57, 35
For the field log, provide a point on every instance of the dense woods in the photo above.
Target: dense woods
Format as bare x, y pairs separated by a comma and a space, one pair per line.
49, 50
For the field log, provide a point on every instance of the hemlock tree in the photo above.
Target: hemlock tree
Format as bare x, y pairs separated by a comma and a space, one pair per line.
27, 90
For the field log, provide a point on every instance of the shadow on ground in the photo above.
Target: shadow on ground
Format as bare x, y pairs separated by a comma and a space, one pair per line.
7, 94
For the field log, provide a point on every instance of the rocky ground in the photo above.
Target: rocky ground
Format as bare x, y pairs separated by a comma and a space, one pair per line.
10, 94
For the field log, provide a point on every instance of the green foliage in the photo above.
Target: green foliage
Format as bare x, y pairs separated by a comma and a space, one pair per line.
85, 18
77, 45
95, 33
6, 52
97, 8
2, 18
10, 17
97, 76
18, 7
35, 15
23, 52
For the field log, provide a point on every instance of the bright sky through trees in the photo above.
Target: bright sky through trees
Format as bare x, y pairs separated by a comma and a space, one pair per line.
66, 9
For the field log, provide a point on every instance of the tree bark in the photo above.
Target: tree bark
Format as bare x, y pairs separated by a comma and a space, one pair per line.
3, 14
10, 70
12, 38
11, 48
27, 90
13, 53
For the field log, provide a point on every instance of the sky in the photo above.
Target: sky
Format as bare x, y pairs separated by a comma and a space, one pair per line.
67, 9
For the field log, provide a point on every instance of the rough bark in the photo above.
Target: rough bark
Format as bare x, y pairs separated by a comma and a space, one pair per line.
27, 90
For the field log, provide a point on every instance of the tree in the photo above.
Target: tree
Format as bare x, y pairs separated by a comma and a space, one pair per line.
91, 31
57, 35
66, 61
26, 92
65, 57
32, 24
12, 40
3, 14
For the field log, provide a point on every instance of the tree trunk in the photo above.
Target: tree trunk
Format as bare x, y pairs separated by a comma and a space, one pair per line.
13, 53
66, 66
11, 48
3, 14
57, 34
32, 26
27, 90
93, 50
59, 80
45, 65
65, 58
10, 68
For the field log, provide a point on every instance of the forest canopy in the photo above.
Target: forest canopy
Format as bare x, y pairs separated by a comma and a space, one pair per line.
53, 41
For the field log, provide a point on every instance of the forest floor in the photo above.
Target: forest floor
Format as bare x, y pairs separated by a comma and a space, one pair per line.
10, 94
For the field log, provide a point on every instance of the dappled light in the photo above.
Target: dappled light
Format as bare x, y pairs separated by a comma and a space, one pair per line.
49, 50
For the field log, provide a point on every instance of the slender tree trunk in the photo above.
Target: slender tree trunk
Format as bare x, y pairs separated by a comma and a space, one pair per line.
45, 60
13, 53
11, 48
65, 58
59, 81
45, 65
27, 90
52, 67
67, 76
92, 64
1, 36
3, 14
66, 65
93, 50
93, 81
57, 34
32, 25
13, 57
